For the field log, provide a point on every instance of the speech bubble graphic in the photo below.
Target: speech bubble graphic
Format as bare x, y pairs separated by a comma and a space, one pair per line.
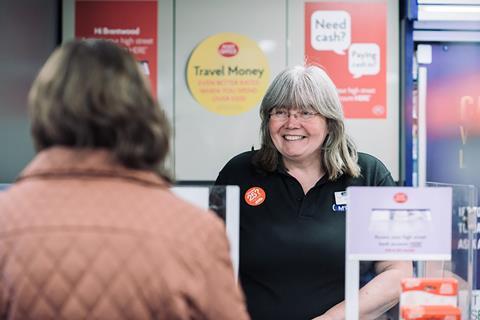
364, 59
330, 31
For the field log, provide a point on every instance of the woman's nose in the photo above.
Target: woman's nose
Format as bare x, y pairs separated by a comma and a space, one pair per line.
292, 120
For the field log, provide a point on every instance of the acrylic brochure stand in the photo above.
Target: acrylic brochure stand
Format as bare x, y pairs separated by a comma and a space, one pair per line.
394, 224
462, 267
225, 201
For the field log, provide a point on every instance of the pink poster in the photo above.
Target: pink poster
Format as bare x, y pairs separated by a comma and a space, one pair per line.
349, 41
132, 24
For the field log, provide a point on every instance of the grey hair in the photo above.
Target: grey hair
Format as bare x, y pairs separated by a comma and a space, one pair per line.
308, 88
92, 94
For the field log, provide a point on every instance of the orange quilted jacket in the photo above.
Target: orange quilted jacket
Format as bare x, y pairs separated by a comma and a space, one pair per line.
82, 237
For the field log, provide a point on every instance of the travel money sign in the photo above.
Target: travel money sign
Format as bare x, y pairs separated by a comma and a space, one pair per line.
228, 73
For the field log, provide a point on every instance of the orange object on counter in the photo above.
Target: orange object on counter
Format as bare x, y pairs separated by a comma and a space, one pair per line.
429, 291
430, 313
440, 286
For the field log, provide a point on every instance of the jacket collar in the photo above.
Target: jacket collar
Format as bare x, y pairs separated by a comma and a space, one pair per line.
63, 162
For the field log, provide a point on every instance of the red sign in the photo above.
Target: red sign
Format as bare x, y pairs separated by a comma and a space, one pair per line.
132, 24
349, 41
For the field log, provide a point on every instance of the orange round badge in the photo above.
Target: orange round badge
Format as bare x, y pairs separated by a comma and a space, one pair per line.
255, 196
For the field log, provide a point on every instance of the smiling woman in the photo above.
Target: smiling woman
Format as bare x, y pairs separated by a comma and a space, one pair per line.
298, 137
292, 243
308, 89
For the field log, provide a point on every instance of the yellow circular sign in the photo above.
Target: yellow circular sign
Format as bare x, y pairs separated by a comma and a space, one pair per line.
228, 73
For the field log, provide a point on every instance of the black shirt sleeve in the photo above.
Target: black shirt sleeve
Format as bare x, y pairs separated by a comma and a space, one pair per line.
222, 179
374, 172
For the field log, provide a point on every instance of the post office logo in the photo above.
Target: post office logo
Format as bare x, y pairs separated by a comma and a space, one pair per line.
400, 197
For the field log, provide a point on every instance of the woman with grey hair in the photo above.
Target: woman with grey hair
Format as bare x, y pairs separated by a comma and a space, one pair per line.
292, 216
90, 229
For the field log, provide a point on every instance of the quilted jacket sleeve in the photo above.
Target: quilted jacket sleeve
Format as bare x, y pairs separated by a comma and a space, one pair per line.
225, 298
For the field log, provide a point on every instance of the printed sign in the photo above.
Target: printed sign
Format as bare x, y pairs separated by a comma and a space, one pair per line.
350, 44
228, 73
399, 223
132, 24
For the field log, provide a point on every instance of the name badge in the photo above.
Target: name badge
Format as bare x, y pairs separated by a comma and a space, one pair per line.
341, 197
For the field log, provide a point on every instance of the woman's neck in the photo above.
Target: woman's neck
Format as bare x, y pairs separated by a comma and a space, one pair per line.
306, 172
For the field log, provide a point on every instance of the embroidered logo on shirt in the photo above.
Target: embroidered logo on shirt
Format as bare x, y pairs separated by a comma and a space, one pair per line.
255, 196
339, 207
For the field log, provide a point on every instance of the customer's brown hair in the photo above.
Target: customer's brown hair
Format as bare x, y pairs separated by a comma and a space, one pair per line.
92, 94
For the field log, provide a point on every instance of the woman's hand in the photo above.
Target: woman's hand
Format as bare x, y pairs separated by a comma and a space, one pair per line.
322, 317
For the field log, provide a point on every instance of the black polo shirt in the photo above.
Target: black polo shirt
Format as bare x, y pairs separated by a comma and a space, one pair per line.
292, 245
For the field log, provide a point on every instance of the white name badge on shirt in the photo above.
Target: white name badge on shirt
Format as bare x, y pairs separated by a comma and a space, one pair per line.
341, 197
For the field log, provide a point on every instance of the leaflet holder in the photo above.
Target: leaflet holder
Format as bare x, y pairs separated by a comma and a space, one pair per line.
394, 224
463, 265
